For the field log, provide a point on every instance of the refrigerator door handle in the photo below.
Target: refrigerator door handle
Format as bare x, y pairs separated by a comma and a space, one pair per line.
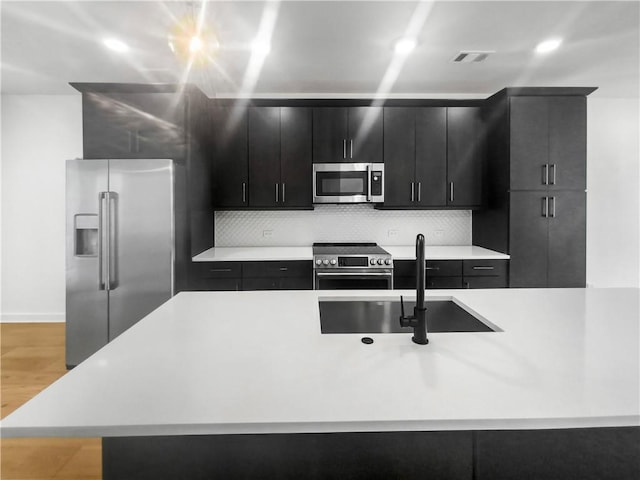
112, 245
102, 240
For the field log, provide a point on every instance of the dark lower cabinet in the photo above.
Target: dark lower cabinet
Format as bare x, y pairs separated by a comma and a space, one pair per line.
268, 275
548, 239
277, 275
453, 274
566, 454
216, 276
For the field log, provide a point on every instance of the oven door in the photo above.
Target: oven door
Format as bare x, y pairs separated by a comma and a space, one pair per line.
346, 183
365, 279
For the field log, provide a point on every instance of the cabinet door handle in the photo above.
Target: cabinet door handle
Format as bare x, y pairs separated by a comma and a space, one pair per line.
433, 268
276, 193
479, 267
351, 149
451, 192
545, 174
413, 191
419, 190
344, 148
553, 207
284, 269
219, 270
283, 198
244, 192
545, 207
553, 176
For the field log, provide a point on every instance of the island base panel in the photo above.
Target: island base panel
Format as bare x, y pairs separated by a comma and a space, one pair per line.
370, 455
585, 454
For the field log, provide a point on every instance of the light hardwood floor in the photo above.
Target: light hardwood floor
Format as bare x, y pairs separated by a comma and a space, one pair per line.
31, 358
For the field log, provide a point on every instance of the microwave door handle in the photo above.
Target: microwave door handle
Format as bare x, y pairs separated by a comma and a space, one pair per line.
368, 182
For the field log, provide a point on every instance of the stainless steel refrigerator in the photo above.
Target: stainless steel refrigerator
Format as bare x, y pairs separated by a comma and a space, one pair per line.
120, 247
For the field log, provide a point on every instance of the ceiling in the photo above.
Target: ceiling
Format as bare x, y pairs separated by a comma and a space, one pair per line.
327, 48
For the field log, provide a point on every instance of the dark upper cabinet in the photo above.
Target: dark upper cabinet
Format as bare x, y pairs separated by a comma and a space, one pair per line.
280, 157
548, 142
264, 156
134, 125
230, 157
465, 153
347, 134
295, 156
415, 158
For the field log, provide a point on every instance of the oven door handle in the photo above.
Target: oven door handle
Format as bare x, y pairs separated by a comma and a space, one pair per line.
354, 274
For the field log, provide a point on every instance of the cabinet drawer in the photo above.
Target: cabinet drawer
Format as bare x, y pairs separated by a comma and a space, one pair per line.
296, 268
404, 268
444, 268
473, 268
485, 282
444, 282
217, 269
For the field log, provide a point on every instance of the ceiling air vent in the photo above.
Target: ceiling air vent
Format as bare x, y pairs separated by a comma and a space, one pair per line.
469, 56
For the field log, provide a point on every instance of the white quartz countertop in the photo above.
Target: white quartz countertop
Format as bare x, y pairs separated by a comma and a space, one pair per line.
251, 254
399, 252
445, 252
257, 362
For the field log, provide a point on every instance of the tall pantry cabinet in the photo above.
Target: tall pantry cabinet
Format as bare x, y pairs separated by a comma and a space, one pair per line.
536, 179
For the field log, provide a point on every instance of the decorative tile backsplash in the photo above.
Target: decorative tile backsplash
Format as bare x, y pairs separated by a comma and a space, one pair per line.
341, 223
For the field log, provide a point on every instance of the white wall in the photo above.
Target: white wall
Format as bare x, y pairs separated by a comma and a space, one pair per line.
39, 132
613, 192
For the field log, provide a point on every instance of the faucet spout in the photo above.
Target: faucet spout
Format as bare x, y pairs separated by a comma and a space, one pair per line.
419, 318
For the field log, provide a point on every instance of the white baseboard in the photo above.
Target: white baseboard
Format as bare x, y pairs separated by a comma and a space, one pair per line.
32, 317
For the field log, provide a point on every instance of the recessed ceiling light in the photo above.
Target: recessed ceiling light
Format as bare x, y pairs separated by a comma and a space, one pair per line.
405, 46
548, 45
115, 45
195, 44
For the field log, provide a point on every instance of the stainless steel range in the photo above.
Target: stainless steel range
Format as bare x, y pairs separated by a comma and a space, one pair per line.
339, 266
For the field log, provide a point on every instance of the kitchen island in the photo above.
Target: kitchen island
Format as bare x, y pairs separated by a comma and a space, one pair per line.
249, 375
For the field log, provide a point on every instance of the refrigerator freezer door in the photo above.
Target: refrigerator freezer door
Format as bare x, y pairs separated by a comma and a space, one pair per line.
141, 240
86, 297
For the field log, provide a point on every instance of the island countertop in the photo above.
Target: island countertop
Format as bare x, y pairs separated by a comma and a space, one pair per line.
257, 362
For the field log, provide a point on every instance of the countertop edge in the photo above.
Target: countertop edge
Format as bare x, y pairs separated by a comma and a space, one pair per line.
324, 427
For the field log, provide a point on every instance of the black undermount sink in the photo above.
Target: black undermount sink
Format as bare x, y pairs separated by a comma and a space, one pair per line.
382, 316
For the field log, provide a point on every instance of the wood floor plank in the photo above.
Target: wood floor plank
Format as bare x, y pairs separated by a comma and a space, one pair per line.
31, 358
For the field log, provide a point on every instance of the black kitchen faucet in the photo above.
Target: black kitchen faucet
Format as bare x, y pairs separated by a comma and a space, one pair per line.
419, 318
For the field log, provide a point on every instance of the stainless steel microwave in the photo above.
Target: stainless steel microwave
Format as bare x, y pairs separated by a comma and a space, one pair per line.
348, 182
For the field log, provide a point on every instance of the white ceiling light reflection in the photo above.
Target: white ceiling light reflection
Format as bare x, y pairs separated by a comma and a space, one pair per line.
115, 45
405, 46
261, 48
548, 45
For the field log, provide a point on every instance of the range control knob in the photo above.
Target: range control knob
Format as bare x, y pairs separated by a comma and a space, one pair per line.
372, 261
387, 261
380, 261
325, 261
333, 261
318, 262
